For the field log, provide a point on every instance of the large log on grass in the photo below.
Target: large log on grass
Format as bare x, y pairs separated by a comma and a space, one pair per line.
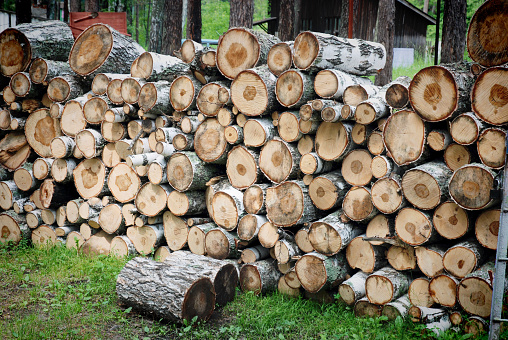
20, 44
314, 50
174, 293
101, 48
223, 274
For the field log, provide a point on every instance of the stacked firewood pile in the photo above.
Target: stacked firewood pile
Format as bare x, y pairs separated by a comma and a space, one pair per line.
282, 156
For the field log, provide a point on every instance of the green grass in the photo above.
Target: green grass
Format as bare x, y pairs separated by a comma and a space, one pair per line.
410, 71
60, 294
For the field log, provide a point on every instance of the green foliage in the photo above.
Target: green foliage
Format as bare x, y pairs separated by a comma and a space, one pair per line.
215, 16
472, 6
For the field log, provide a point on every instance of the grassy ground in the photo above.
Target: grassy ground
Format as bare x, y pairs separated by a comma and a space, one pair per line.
59, 294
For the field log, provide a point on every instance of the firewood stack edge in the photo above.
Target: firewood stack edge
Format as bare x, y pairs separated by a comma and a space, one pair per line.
275, 165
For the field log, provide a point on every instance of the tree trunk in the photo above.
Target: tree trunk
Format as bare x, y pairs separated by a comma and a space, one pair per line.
286, 20
254, 254
425, 186
438, 140
385, 30
241, 13
151, 199
353, 288
92, 6
365, 256
188, 172
253, 91
209, 142
401, 258
453, 40
405, 149
75, 6
242, 167
168, 292
260, 277
146, 238
363, 308
23, 11
257, 132
14, 227
456, 156
491, 149
333, 140
90, 177
53, 194
194, 20
173, 27
397, 95
197, 237
156, 27
221, 244
254, 199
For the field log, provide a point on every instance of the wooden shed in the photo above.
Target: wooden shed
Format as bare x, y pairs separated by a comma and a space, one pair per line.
325, 15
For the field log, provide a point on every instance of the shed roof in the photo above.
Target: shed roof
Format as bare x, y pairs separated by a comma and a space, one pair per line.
427, 17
